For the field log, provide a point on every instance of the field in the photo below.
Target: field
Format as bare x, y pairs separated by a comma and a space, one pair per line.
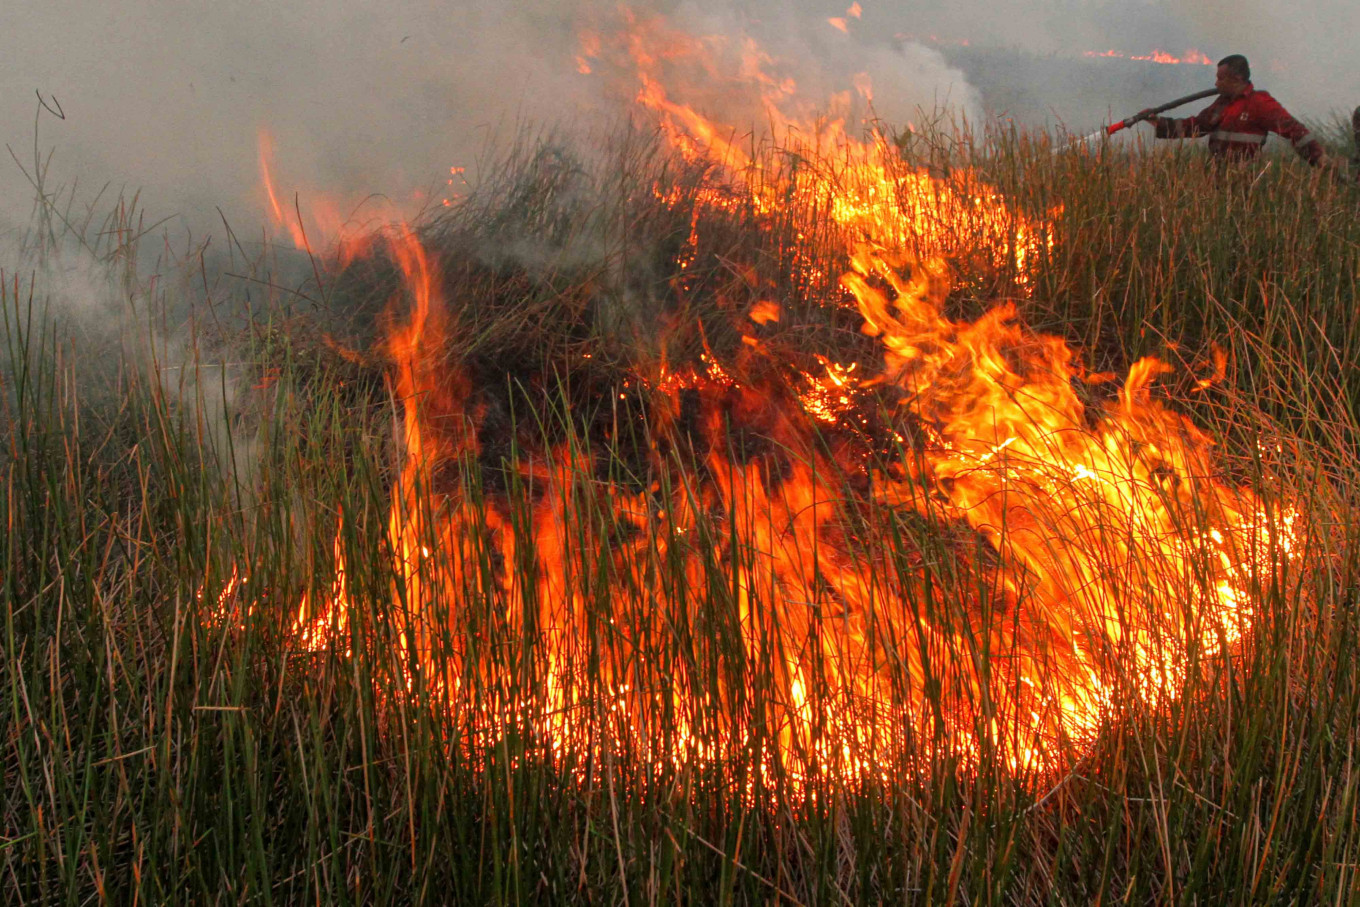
557, 549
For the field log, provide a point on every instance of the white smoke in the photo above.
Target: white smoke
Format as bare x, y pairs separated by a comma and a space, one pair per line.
1301, 52
167, 98
88, 315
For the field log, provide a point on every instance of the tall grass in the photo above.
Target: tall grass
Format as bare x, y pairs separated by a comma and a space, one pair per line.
166, 739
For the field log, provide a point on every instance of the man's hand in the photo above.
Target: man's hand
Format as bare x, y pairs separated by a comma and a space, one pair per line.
1149, 115
1337, 168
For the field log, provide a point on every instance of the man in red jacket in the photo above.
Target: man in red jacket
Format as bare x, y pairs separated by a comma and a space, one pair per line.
1239, 120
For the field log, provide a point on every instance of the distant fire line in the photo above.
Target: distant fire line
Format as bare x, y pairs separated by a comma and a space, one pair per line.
1192, 57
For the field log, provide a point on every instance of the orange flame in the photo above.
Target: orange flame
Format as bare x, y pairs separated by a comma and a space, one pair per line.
327, 223
276, 208
1191, 57
1116, 556
943, 217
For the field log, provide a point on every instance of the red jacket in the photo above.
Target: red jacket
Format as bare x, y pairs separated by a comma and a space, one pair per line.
1237, 127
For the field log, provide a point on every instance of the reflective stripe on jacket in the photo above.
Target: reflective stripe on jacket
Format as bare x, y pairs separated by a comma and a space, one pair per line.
1237, 127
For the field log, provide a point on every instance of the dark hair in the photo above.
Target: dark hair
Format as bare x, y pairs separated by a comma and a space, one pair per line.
1238, 66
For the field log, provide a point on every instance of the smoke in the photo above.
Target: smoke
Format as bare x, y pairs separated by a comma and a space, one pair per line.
167, 98
88, 317
1026, 56
1303, 52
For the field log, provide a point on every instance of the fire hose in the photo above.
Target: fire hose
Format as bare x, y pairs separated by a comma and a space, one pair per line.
1154, 111
1147, 114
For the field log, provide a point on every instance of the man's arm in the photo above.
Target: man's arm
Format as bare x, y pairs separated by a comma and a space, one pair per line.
1275, 118
1202, 123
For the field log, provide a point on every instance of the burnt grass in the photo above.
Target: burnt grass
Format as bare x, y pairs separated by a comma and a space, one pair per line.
155, 750
570, 300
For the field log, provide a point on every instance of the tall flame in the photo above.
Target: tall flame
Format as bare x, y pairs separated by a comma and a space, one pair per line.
1115, 556
330, 221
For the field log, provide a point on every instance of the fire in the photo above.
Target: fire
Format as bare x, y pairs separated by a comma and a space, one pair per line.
1192, 56
764, 312
590, 48
320, 227
842, 23
877, 195
330, 222
1085, 556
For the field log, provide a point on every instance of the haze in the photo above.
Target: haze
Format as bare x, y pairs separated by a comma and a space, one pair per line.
363, 97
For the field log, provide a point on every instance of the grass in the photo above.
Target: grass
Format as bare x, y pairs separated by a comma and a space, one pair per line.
155, 751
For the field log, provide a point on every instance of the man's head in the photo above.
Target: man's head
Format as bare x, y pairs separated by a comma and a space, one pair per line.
1234, 76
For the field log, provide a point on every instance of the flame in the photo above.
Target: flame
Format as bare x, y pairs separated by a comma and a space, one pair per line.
276, 207
224, 608
1192, 56
764, 312
319, 226
330, 223
317, 624
876, 194
590, 49
842, 23
1117, 557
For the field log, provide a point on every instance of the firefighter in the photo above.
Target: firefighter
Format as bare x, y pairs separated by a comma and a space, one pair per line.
1239, 120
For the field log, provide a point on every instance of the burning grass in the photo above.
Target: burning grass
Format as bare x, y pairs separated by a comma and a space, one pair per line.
811, 499
602, 552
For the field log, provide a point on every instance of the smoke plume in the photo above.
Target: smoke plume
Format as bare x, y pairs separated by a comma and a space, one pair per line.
168, 98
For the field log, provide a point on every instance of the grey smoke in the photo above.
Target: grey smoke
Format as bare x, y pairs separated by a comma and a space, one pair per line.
86, 316
166, 97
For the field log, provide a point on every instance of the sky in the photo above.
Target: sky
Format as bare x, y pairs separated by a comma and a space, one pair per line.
167, 98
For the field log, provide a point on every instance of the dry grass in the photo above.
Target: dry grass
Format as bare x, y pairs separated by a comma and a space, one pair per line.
154, 752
